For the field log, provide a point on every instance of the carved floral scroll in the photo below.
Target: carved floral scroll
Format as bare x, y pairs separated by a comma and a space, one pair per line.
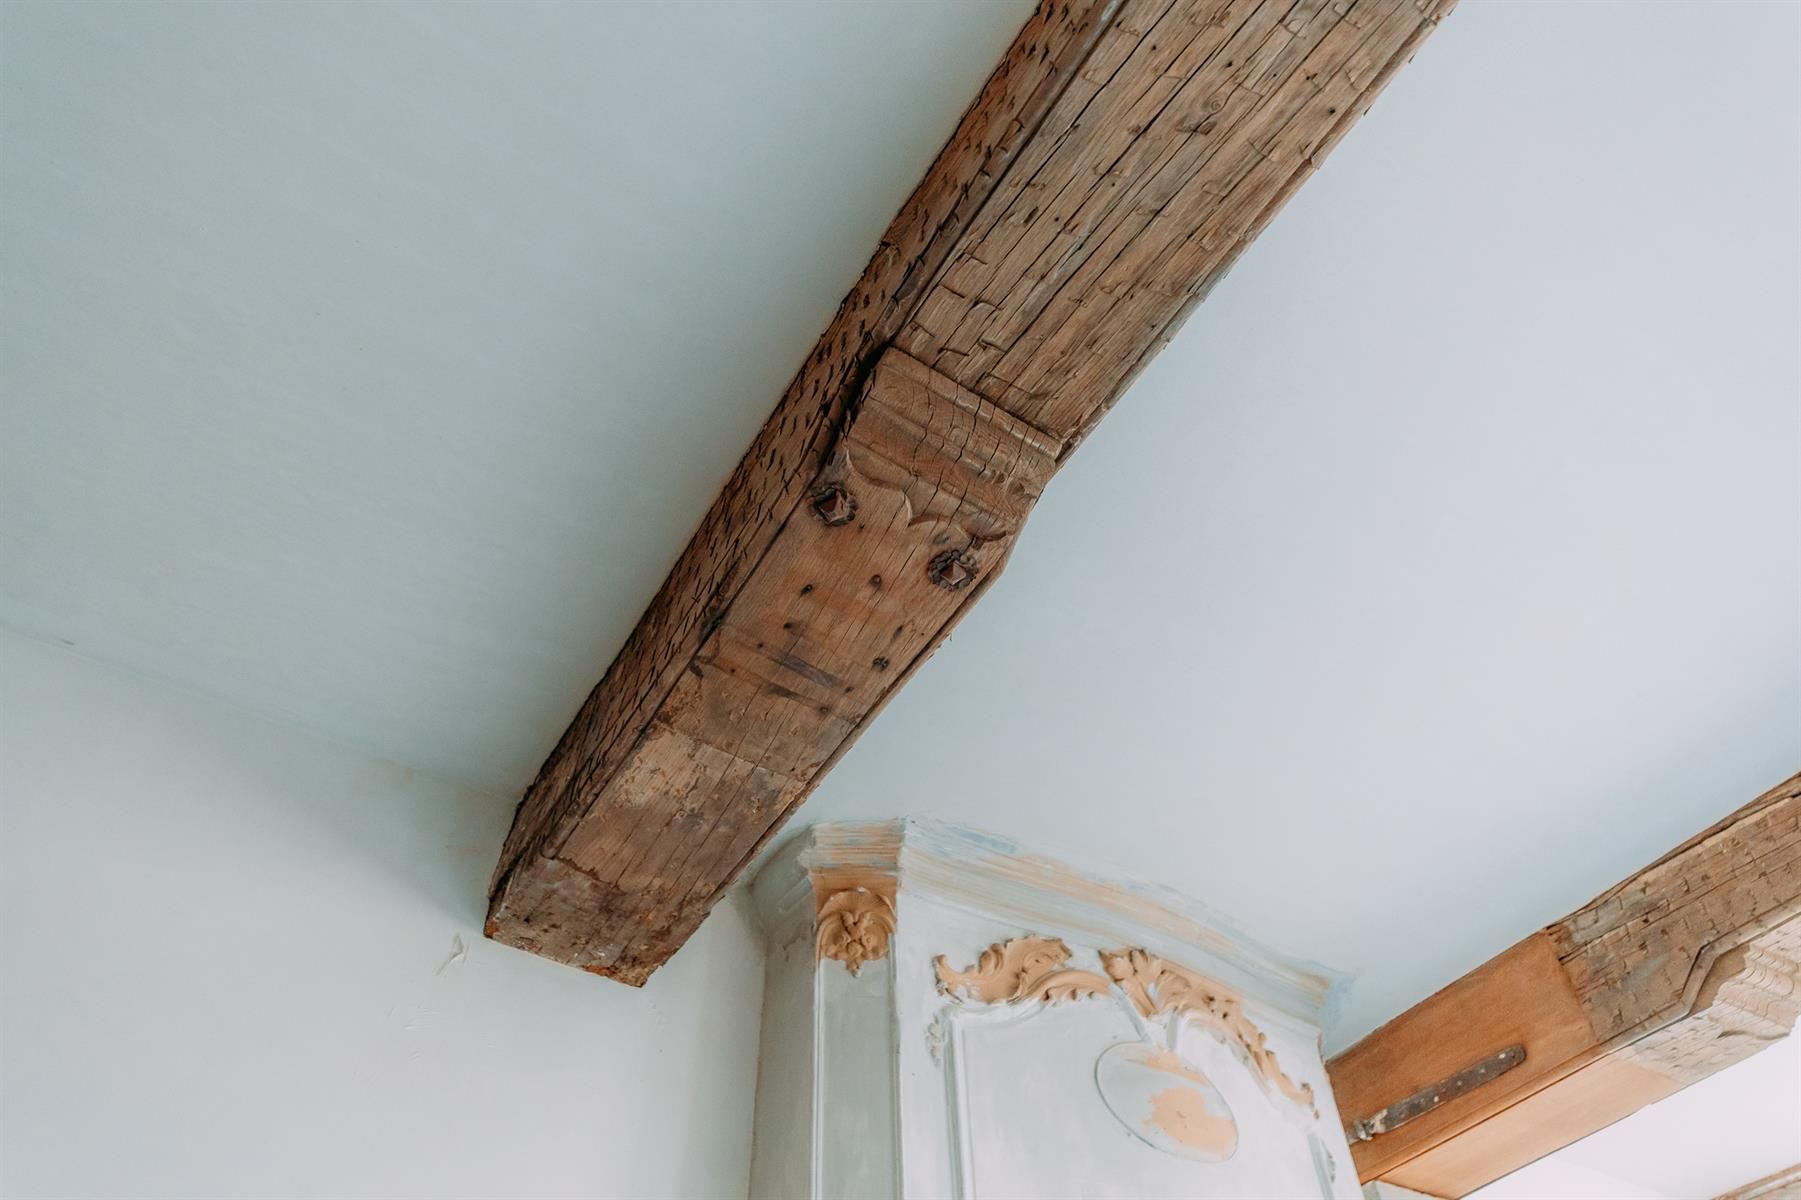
1156, 986
1020, 971
855, 925
1033, 969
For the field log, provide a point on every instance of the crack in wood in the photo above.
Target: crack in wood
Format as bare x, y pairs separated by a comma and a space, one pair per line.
1110, 170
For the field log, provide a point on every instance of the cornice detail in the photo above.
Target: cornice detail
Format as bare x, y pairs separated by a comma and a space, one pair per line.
1026, 893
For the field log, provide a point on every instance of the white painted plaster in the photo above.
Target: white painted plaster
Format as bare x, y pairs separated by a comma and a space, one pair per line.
371, 362
1011, 1107
922, 1096
786, 1117
239, 962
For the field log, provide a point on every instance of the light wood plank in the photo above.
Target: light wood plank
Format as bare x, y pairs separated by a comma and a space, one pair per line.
1687, 967
1587, 1100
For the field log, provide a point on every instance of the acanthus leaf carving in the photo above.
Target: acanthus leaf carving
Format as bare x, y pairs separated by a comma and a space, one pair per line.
1157, 987
1018, 971
1028, 969
855, 925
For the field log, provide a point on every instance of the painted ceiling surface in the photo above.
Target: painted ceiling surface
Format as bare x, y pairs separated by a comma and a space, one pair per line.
370, 364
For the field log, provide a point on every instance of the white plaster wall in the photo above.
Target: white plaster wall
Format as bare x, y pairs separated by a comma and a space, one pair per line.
919, 1093
225, 971
1008, 1106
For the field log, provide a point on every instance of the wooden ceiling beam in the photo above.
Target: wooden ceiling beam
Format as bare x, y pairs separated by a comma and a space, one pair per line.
1682, 970
1114, 165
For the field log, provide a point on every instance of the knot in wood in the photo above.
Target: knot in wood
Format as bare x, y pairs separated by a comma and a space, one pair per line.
833, 504
951, 569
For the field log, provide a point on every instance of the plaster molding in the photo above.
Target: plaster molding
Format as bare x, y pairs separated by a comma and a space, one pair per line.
1032, 969
1020, 970
855, 925
930, 1043
1159, 1096
983, 873
1156, 987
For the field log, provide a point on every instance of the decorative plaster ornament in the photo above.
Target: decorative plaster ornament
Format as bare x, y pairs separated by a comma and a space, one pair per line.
854, 927
1156, 987
1022, 1034
1020, 971
1165, 1102
1161, 1099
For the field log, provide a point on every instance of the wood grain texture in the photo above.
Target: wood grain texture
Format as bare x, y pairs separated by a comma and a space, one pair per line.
1687, 967
1633, 952
1115, 163
832, 619
1581, 1103
1174, 146
1520, 996
792, 444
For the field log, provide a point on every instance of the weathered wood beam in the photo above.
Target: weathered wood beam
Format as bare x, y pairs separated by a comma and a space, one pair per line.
1112, 168
1689, 966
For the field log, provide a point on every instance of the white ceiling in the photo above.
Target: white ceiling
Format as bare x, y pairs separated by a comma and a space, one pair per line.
371, 363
